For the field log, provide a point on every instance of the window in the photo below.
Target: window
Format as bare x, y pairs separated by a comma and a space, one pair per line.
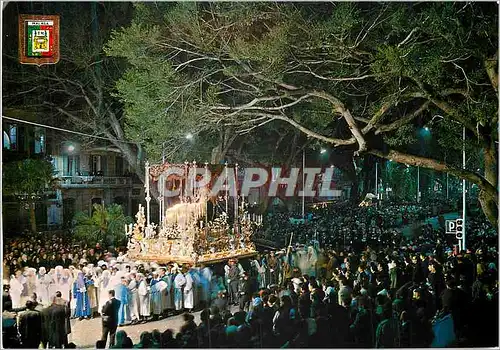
39, 140
71, 165
10, 137
6, 140
98, 165
118, 166
13, 137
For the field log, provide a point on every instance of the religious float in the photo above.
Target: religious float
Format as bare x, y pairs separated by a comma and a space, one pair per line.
187, 234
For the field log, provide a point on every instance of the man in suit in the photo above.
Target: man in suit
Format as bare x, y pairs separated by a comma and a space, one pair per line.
54, 325
30, 326
110, 318
65, 303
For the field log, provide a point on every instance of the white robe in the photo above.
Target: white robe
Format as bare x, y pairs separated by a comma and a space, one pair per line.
103, 287
43, 283
133, 300
145, 306
64, 287
15, 291
189, 291
31, 284
179, 283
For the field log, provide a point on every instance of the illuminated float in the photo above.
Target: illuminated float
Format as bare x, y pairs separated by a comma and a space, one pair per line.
185, 233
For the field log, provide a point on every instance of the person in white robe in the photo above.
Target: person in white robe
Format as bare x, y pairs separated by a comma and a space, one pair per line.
104, 288
65, 283
134, 302
115, 279
42, 286
189, 291
56, 276
31, 277
144, 302
179, 283
16, 289
96, 276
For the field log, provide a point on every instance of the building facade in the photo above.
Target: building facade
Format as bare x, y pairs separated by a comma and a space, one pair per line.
87, 175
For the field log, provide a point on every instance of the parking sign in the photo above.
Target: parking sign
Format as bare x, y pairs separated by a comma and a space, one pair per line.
451, 227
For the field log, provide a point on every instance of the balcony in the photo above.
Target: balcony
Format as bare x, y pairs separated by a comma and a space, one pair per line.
86, 181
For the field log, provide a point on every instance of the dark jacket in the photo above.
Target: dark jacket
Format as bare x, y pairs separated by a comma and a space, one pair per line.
110, 313
30, 328
245, 289
54, 325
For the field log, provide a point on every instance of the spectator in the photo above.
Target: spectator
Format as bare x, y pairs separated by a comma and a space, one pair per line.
110, 318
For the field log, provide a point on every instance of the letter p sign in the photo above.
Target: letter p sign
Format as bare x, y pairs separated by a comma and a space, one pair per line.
451, 227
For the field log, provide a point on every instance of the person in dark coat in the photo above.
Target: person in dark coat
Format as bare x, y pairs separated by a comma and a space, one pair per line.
418, 274
244, 292
110, 318
30, 326
361, 327
67, 307
437, 283
54, 325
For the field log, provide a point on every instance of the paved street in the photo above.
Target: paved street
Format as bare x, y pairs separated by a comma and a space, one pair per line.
86, 332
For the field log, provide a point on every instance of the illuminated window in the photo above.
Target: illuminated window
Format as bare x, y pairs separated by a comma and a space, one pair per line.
39, 140
13, 137
6, 140
10, 137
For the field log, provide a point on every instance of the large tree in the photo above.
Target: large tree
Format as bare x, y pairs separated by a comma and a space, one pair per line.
365, 76
77, 91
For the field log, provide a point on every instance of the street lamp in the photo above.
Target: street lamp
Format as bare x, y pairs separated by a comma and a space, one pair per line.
189, 136
322, 151
71, 148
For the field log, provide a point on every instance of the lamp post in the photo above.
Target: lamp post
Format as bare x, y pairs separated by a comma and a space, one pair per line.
462, 241
418, 184
376, 179
303, 183
463, 188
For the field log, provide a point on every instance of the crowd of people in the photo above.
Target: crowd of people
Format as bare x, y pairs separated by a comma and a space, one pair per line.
374, 289
340, 223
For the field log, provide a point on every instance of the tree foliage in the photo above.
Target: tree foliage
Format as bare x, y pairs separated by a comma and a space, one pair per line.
76, 92
27, 181
366, 76
105, 225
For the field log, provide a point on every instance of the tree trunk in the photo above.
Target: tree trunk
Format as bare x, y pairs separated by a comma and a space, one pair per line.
32, 217
488, 203
489, 207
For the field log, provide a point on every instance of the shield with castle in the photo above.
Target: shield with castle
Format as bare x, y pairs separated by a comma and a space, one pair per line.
195, 226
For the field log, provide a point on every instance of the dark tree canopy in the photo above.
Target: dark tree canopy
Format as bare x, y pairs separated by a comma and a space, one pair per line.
362, 76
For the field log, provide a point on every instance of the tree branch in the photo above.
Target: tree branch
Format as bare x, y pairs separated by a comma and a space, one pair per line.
491, 65
434, 164
402, 121
346, 114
